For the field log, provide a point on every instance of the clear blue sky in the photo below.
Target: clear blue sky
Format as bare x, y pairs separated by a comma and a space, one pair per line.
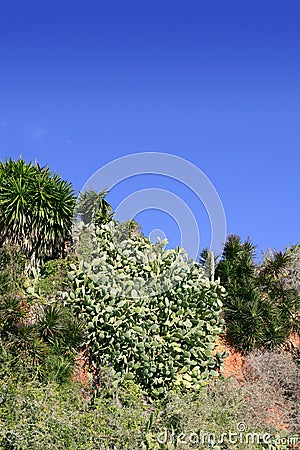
215, 82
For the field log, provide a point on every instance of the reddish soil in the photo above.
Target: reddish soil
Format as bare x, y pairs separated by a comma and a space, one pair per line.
234, 366
233, 363
81, 370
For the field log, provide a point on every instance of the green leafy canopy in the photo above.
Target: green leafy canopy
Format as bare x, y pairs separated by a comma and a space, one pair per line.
36, 209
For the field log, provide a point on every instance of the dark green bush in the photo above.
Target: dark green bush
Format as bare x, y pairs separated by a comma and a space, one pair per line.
38, 342
260, 310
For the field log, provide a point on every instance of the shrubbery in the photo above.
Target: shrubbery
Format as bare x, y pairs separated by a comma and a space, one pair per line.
150, 312
12, 265
272, 380
147, 319
261, 308
36, 416
39, 336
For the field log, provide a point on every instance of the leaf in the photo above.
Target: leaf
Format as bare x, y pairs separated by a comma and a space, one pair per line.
134, 293
129, 376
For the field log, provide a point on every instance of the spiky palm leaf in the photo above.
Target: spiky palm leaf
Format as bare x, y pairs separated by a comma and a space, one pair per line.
36, 209
51, 322
92, 207
260, 311
208, 261
12, 311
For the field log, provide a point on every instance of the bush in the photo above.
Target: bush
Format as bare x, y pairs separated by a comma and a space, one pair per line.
38, 342
12, 266
260, 310
150, 312
50, 279
273, 388
46, 416
279, 281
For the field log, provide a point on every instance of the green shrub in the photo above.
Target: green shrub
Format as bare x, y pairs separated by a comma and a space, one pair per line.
260, 310
50, 279
278, 277
47, 416
150, 312
36, 416
12, 266
38, 342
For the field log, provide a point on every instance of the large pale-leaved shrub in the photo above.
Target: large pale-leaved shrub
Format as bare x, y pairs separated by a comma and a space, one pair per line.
151, 313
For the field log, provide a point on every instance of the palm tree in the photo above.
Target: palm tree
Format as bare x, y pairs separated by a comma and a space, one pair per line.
93, 208
36, 209
278, 280
256, 307
207, 261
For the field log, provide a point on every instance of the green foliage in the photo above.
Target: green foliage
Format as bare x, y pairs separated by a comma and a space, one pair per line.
38, 342
12, 311
46, 416
36, 209
150, 318
12, 266
244, 309
150, 312
260, 312
278, 280
39, 336
93, 208
50, 279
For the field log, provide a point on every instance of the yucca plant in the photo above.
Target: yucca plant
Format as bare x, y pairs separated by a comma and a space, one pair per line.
12, 312
93, 208
39, 344
208, 261
50, 322
36, 209
57, 325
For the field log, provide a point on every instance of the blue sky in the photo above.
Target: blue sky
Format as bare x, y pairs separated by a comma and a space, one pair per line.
216, 83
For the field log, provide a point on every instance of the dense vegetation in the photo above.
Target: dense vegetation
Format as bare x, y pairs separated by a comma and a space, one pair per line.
151, 314
109, 341
261, 307
36, 209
